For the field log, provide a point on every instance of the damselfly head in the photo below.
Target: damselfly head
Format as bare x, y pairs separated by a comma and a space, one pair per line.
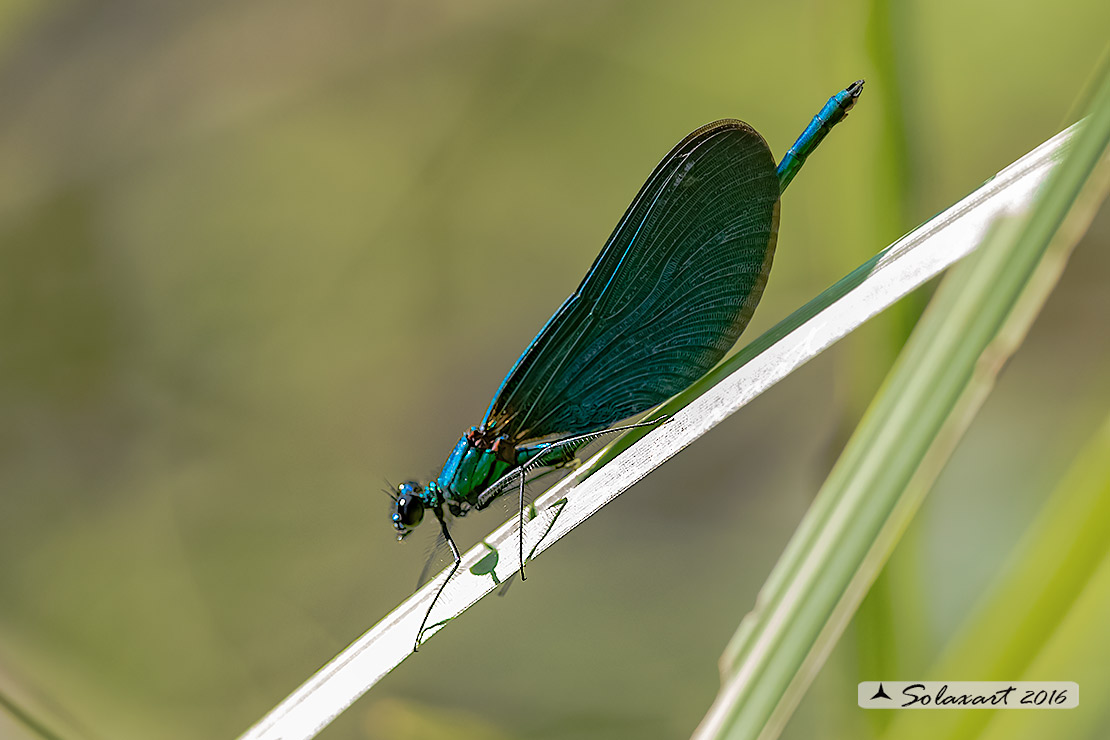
408, 508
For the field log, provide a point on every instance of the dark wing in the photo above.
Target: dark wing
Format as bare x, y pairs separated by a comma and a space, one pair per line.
667, 297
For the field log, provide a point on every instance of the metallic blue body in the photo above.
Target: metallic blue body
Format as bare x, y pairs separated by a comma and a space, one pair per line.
669, 294
831, 114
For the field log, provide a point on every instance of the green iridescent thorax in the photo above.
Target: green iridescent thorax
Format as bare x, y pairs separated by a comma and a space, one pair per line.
475, 463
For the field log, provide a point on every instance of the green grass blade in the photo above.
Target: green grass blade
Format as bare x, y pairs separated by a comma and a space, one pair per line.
1046, 617
977, 319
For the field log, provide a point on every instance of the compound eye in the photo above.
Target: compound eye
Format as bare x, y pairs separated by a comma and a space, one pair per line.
410, 507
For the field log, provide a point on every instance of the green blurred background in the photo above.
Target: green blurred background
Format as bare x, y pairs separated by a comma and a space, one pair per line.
258, 257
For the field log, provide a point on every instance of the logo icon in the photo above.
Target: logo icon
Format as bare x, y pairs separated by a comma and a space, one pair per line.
880, 694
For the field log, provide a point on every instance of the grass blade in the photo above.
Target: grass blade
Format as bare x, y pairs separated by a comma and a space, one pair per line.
1046, 616
977, 319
